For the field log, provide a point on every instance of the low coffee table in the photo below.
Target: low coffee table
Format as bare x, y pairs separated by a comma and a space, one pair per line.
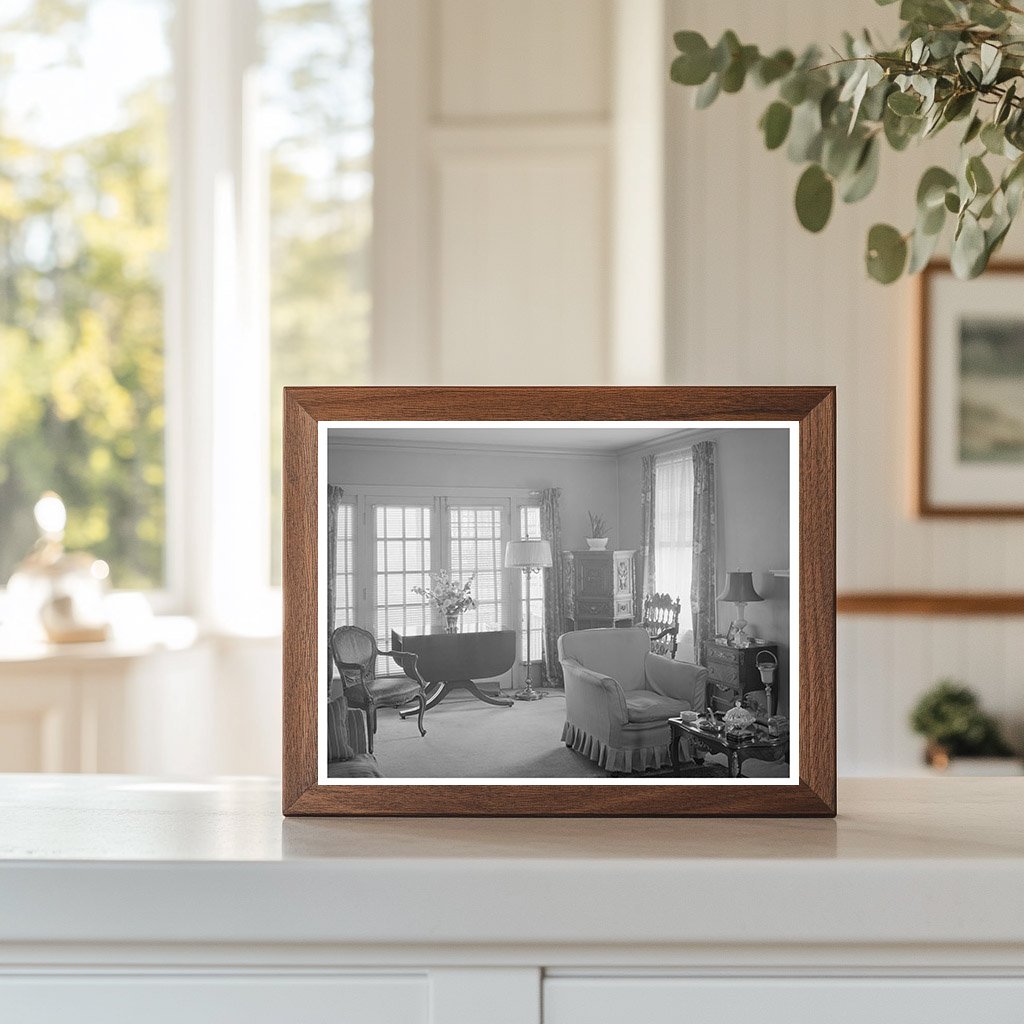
761, 745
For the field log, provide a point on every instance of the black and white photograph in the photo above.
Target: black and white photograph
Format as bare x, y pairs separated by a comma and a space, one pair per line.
558, 602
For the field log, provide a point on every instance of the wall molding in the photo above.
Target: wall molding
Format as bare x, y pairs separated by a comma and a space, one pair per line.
929, 603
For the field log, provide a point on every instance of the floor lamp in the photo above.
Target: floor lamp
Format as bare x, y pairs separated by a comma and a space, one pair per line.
531, 556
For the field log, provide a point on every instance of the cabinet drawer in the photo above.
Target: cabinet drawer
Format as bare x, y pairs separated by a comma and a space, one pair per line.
597, 609
783, 1000
726, 655
724, 673
197, 999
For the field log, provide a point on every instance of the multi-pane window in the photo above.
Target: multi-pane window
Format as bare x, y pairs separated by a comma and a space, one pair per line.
402, 547
476, 546
529, 529
344, 598
673, 531
317, 132
83, 243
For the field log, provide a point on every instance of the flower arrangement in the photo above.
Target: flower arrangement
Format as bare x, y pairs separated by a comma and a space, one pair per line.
450, 598
598, 527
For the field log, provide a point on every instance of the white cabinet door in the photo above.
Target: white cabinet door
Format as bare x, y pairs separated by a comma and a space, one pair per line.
205, 999
784, 1000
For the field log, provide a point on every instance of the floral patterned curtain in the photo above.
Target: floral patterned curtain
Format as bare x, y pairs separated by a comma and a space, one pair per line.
334, 496
551, 531
704, 586
645, 563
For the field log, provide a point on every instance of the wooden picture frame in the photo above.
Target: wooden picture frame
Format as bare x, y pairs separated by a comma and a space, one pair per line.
809, 412
947, 484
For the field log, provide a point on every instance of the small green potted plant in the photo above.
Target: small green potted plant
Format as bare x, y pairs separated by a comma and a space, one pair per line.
597, 539
950, 717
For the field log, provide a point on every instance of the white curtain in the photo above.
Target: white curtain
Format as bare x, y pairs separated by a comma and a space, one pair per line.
673, 538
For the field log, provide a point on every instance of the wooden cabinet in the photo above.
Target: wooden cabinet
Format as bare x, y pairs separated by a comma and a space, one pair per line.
600, 589
732, 672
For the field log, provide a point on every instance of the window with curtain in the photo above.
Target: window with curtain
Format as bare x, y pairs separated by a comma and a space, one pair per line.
673, 534
529, 529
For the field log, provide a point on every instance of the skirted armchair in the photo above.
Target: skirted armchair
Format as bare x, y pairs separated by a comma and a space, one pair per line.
619, 697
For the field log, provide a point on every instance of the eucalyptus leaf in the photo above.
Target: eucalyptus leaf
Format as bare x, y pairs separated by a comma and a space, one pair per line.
968, 247
775, 124
1005, 104
991, 60
993, 138
707, 93
922, 247
771, 69
973, 130
805, 133
978, 176
814, 195
724, 51
931, 190
865, 173
886, 253
904, 103
987, 15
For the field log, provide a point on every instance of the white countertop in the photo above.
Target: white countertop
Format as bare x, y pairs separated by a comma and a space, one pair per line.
121, 859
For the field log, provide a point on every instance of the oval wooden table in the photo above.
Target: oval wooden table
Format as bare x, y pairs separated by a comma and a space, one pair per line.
452, 661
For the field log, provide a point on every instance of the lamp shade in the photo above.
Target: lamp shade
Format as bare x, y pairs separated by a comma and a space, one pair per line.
739, 589
527, 554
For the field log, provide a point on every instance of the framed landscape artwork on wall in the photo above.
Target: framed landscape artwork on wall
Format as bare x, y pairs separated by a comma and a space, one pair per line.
970, 451
559, 601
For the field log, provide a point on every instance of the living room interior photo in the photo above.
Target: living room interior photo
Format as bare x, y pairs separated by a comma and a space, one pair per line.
627, 546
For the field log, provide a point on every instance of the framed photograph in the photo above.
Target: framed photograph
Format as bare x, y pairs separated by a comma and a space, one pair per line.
559, 601
970, 450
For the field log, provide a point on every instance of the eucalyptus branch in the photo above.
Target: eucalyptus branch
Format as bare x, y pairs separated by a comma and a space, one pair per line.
833, 118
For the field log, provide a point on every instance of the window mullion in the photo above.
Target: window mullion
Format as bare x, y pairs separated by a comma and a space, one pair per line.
223, 511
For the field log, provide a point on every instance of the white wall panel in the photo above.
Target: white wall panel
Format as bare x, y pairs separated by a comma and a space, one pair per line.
754, 299
531, 58
523, 281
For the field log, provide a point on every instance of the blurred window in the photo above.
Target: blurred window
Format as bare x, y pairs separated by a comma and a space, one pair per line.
83, 241
316, 122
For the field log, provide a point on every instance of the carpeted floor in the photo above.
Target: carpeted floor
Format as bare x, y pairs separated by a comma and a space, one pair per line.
469, 739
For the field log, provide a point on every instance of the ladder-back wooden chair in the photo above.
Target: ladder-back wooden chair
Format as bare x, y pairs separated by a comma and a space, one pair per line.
661, 620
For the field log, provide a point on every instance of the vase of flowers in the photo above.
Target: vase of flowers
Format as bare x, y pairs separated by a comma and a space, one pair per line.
450, 598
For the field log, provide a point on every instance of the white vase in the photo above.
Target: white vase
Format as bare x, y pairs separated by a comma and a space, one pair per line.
597, 543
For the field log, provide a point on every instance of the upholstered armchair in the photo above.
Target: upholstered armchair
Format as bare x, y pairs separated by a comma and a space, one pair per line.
619, 697
355, 653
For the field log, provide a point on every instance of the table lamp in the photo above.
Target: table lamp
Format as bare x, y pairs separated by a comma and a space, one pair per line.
531, 556
739, 590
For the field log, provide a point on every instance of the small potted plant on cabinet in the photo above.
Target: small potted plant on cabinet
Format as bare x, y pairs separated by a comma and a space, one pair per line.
950, 717
598, 538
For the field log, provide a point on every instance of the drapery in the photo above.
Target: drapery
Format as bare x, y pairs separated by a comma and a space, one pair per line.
645, 563
551, 531
704, 585
334, 496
